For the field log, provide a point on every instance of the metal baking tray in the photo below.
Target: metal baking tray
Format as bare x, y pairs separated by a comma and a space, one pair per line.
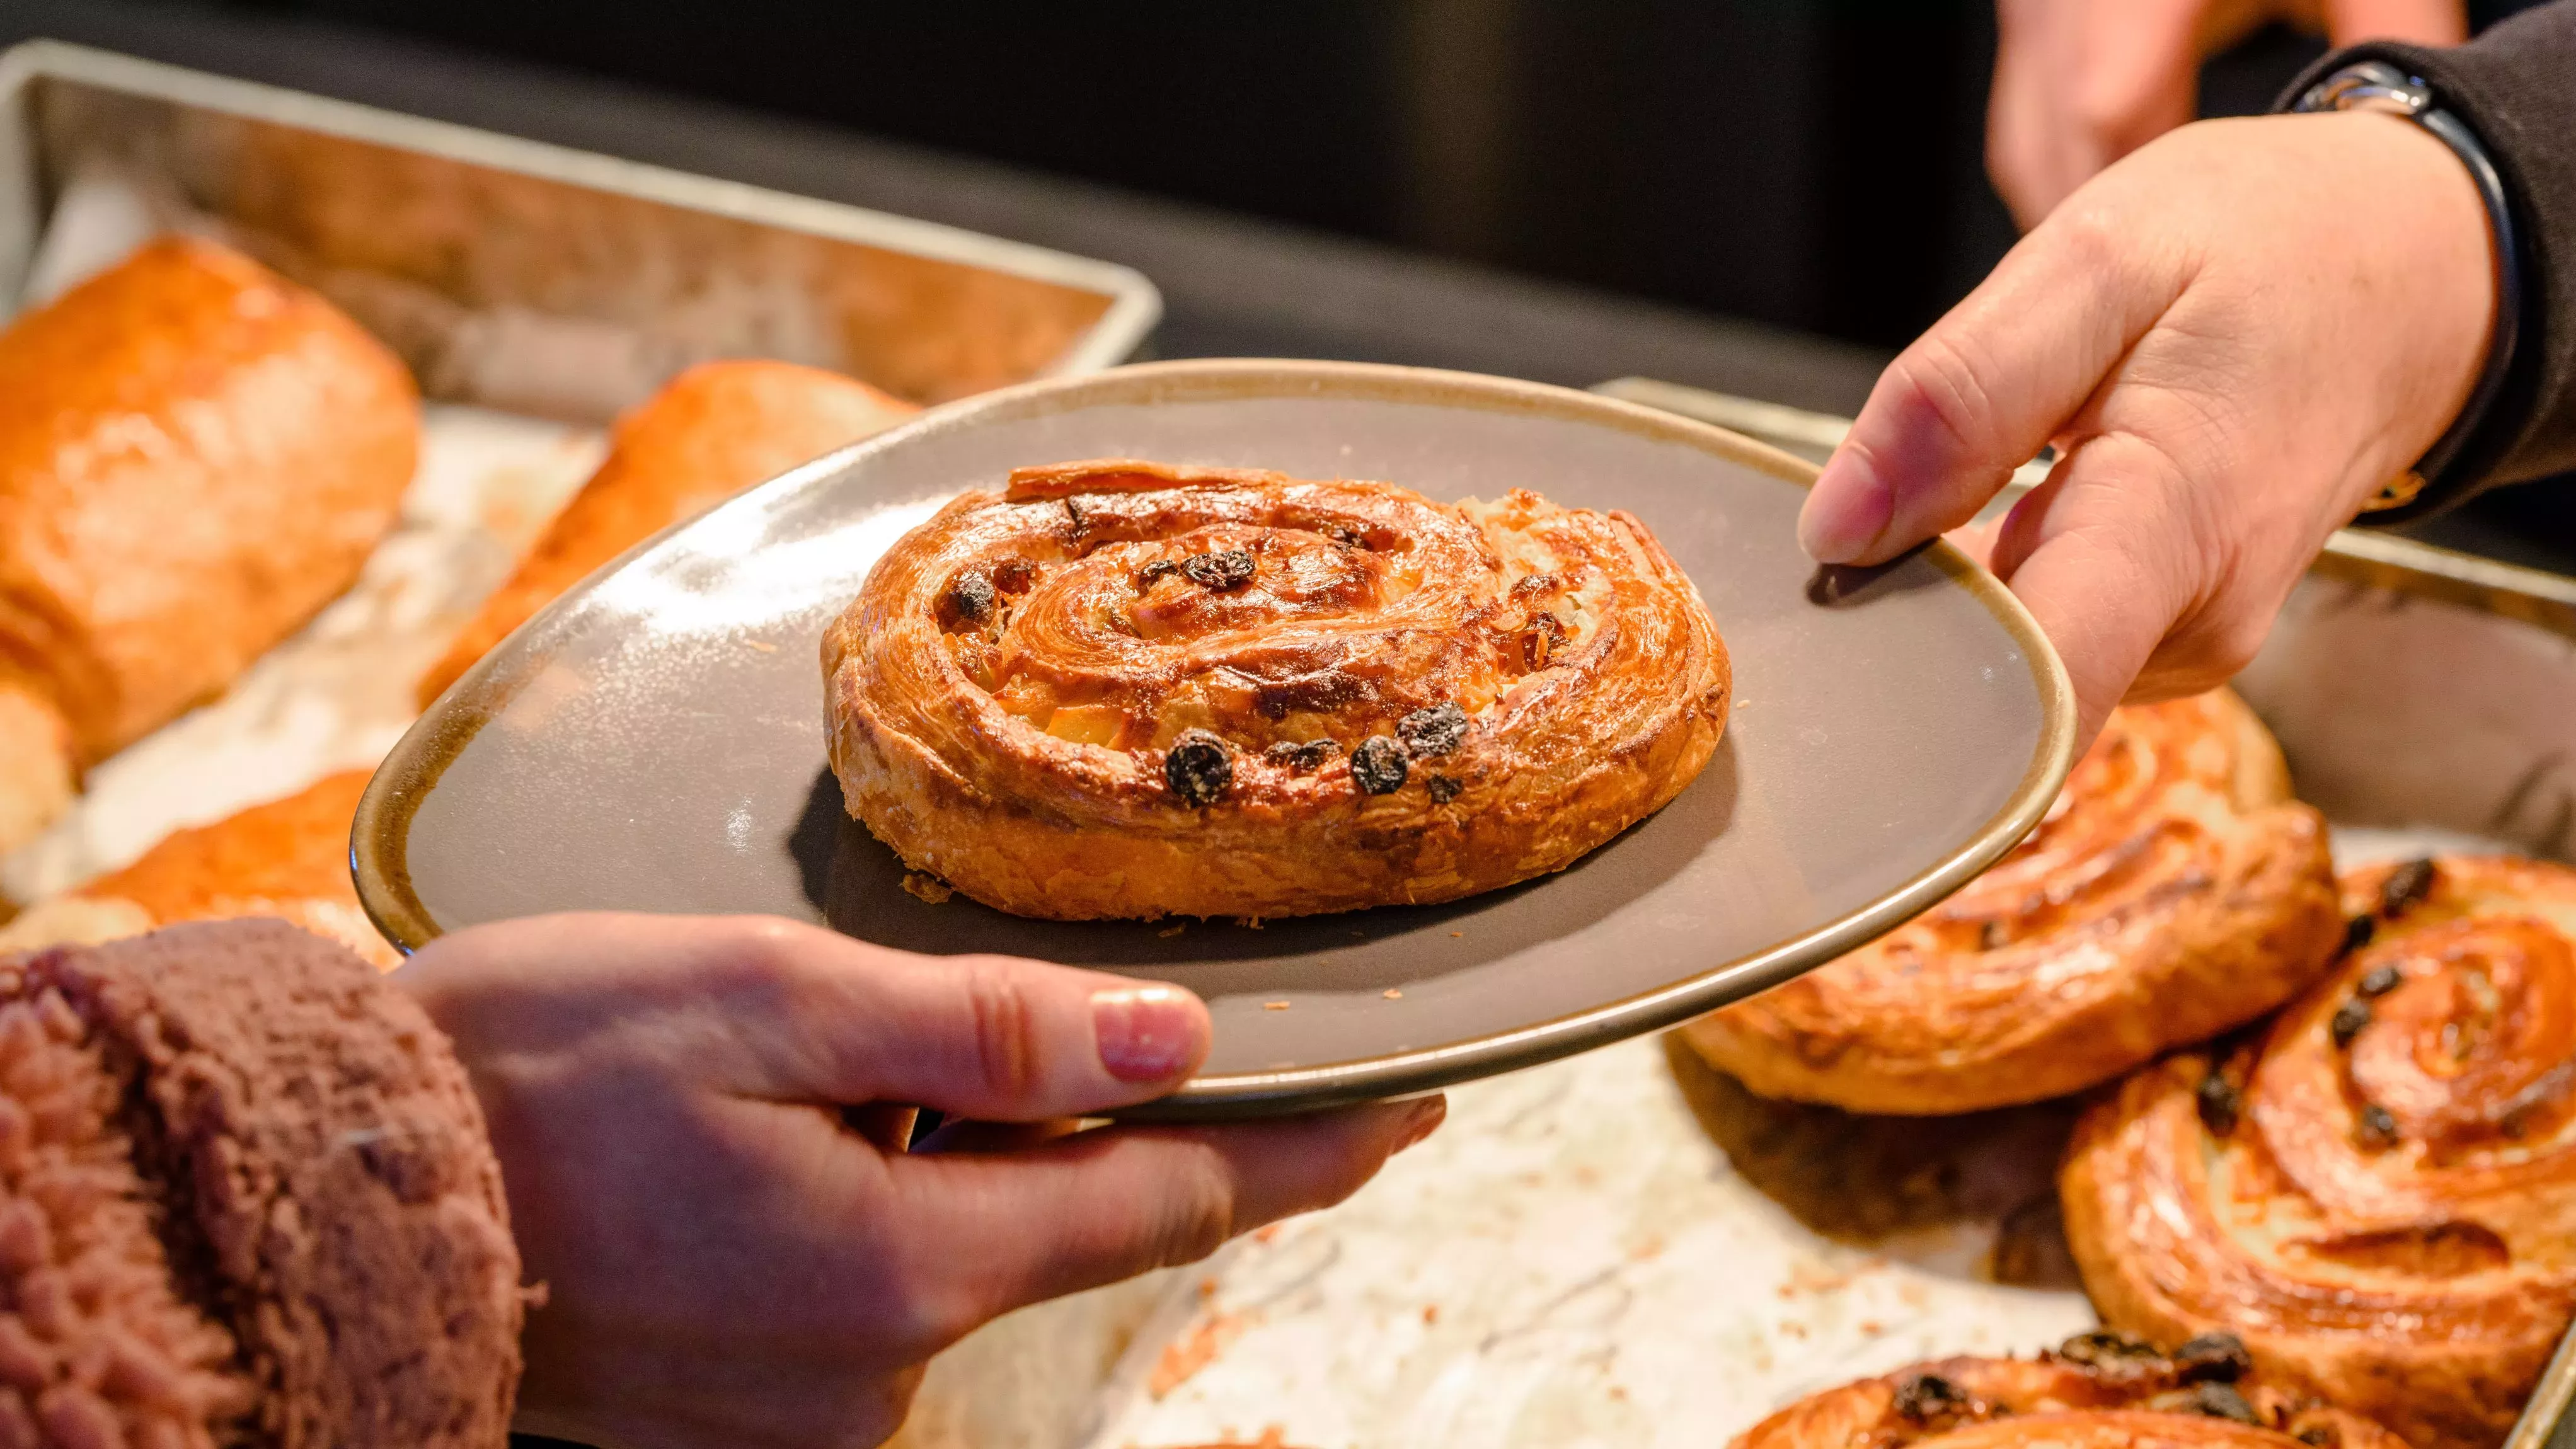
1573, 1260
537, 279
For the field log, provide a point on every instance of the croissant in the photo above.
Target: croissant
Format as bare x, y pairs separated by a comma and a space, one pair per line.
195, 456
2099, 1391
710, 433
2379, 1191
286, 858
1127, 689
2173, 891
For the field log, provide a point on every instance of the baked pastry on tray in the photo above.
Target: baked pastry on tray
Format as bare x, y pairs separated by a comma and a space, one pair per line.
2173, 891
1130, 689
2379, 1191
195, 455
2099, 1391
286, 858
708, 434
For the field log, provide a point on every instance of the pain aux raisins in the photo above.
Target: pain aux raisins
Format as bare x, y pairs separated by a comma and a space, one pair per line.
1430, 733
1303, 758
2348, 1021
1378, 766
1198, 767
2405, 886
1229, 568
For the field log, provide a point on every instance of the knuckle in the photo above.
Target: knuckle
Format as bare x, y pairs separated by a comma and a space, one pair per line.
1944, 385
1202, 1213
1004, 1031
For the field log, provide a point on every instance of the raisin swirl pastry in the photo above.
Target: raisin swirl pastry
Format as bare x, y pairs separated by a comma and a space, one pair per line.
2379, 1195
2173, 891
2099, 1391
1127, 690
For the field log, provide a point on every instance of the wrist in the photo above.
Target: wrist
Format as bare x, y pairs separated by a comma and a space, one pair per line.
2468, 199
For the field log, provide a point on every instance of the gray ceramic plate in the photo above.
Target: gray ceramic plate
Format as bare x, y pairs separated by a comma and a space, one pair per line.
653, 741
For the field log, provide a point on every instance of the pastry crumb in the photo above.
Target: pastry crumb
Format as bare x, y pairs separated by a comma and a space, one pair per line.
1392, 994
929, 889
1274, 1006
1174, 929
763, 645
1457, 933
1430, 1313
1197, 1349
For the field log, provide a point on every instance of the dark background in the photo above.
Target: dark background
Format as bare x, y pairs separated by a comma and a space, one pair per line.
1765, 197
1815, 164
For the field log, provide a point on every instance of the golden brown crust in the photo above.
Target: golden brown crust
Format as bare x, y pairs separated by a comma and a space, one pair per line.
2385, 1220
2116, 1395
2174, 891
195, 455
36, 783
1011, 696
287, 858
710, 433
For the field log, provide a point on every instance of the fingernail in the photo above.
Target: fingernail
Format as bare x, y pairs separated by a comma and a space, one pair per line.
1847, 511
1427, 1117
1146, 1033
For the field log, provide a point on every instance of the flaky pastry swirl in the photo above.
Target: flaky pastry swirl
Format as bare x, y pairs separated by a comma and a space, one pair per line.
2380, 1194
2173, 891
2111, 1395
1126, 689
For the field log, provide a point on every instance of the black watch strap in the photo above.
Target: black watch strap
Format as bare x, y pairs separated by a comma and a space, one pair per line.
2439, 478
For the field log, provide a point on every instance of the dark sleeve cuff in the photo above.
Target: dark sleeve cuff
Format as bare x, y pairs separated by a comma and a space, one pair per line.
2515, 87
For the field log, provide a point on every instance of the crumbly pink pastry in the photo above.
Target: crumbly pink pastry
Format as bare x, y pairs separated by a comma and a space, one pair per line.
245, 1198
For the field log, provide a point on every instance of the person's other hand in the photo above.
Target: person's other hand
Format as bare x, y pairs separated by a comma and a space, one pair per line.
2081, 83
698, 1131
2234, 337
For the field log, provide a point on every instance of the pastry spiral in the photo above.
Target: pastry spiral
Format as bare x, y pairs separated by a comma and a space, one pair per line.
2380, 1194
2173, 891
1123, 689
2098, 1392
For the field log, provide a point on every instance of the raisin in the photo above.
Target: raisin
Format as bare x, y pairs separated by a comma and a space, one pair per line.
2103, 1348
2376, 1127
1014, 576
1540, 640
1430, 733
2221, 1401
1993, 935
2218, 1356
2379, 981
2218, 1104
1161, 568
2405, 886
1226, 569
1198, 767
1345, 535
2358, 931
966, 602
1378, 766
1443, 789
2318, 1435
2349, 1019
1291, 755
1921, 1398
